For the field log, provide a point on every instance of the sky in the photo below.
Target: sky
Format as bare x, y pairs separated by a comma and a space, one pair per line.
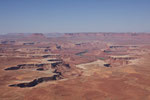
44, 16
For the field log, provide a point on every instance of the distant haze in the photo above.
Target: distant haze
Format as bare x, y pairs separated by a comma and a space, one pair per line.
30, 16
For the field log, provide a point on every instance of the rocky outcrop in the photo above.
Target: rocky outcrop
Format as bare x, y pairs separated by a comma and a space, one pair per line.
29, 66
37, 35
61, 68
120, 60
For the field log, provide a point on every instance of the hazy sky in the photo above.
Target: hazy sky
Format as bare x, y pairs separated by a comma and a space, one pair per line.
74, 16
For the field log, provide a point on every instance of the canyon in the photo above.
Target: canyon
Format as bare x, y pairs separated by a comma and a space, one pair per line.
75, 66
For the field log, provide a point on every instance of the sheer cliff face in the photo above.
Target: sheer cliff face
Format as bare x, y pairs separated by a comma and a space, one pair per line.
37, 36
